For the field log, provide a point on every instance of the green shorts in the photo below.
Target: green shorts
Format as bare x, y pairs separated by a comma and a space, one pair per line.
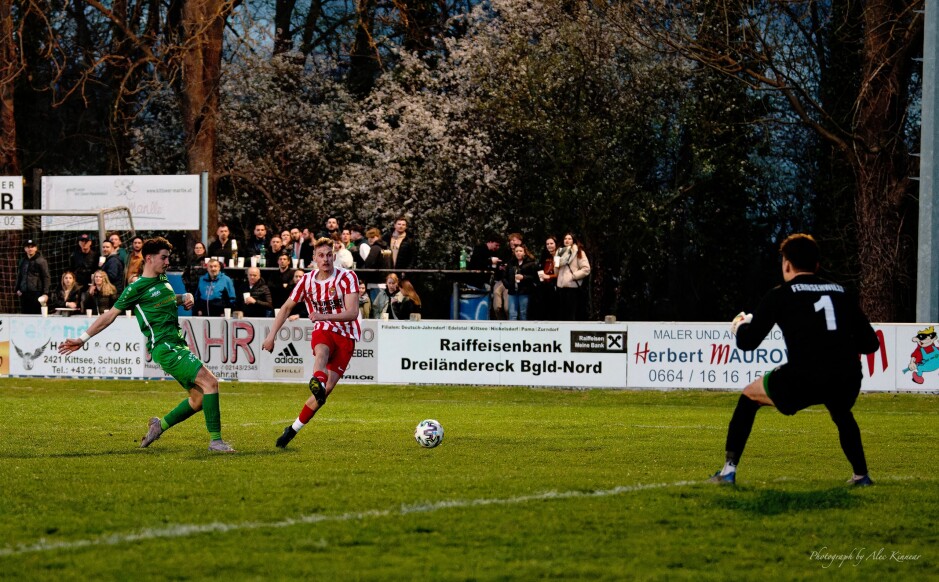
178, 362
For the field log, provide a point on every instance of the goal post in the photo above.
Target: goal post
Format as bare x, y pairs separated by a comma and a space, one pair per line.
55, 233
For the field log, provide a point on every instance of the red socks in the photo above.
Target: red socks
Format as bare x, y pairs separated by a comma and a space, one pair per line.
306, 414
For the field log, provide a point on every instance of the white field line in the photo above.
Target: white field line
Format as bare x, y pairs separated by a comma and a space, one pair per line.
186, 530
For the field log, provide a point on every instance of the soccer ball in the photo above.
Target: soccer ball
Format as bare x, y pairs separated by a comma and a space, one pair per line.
429, 433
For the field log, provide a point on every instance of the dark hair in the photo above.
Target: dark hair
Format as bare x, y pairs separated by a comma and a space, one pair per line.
153, 246
576, 242
802, 251
528, 254
407, 289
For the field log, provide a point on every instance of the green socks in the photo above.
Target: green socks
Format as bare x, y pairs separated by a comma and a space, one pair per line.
213, 416
178, 414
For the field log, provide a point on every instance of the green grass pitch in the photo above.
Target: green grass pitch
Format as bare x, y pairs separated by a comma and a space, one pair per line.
528, 484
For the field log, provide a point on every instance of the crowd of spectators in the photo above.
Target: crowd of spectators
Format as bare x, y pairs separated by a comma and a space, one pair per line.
254, 277
553, 288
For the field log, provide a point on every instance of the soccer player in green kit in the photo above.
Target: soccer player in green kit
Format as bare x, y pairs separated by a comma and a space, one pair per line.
155, 305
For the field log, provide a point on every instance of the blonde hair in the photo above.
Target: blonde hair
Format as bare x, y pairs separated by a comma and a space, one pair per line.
75, 284
106, 288
323, 241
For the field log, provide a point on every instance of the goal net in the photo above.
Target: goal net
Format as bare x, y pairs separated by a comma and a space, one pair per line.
55, 233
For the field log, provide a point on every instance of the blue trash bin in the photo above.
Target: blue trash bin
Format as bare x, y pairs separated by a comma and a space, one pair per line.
474, 306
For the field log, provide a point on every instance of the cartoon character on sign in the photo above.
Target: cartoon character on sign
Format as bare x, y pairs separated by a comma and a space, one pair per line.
925, 357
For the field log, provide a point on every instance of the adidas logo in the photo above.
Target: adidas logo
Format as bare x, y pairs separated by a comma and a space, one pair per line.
288, 355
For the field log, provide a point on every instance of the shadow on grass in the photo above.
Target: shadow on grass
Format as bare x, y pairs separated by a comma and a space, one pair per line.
774, 502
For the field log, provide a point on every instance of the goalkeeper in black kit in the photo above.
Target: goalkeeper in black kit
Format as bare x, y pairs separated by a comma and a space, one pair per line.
824, 330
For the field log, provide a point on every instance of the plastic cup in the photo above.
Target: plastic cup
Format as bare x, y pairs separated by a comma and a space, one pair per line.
276, 311
89, 312
228, 313
206, 260
384, 317
45, 310
241, 262
245, 296
609, 319
301, 263
295, 262
101, 260
129, 313
254, 261
415, 317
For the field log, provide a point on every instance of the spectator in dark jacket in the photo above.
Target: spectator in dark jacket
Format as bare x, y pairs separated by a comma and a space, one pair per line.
195, 268
33, 281
84, 261
487, 256
521, 275
403, 246
113, 266
100, 295
68, 295
379, 257
224, 246
258, 241
256, 300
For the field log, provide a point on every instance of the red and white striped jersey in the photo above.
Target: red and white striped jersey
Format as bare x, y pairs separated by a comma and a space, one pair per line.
327, 297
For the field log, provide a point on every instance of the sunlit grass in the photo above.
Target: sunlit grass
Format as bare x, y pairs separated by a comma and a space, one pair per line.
527, 484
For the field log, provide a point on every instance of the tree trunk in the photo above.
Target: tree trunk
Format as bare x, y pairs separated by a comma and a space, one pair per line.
9, 71
881, 164
202, 28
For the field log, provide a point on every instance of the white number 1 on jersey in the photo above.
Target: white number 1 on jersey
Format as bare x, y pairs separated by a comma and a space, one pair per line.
825, 304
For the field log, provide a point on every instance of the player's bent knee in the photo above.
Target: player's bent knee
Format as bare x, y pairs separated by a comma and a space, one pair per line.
207, 381
754, 391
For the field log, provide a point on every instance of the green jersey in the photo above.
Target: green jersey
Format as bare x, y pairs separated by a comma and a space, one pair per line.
154, 303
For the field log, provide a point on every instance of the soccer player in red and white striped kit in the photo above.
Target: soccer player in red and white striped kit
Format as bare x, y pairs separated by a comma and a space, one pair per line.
331, 295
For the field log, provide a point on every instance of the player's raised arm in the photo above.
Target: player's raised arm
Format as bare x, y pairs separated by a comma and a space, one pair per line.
97, 326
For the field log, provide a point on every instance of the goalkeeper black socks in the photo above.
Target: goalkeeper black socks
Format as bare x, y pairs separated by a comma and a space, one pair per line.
741, 423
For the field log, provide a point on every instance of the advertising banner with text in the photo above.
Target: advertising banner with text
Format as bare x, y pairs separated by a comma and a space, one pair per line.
117, 352
156, 202
11, 198
651, 355
231, 349
704, 355
505, 353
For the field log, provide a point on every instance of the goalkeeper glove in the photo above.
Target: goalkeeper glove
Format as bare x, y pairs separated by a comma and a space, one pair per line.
741, 319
